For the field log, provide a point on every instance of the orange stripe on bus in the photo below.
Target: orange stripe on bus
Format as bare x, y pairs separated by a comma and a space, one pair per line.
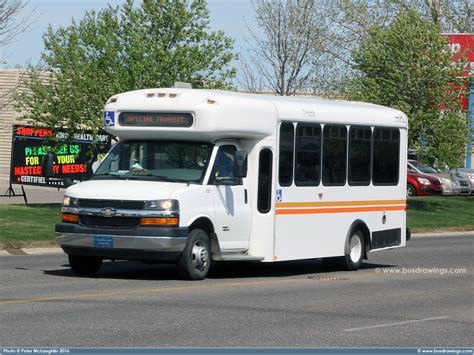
340, 203
339, 210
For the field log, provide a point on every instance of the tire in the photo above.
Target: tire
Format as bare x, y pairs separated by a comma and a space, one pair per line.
353, 260
195, 260
411, 191
85, 265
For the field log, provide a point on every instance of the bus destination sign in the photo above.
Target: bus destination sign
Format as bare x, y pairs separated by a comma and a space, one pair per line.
156, 119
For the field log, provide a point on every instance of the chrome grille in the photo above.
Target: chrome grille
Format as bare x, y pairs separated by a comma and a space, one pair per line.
117, 204
110, 222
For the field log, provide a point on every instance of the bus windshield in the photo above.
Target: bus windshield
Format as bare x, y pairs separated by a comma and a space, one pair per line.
157, 161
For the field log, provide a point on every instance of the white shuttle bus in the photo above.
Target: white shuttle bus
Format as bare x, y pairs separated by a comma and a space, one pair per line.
202, 175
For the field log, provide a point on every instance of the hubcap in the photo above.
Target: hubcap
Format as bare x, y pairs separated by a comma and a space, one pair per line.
409, 191
200, 255
355, 248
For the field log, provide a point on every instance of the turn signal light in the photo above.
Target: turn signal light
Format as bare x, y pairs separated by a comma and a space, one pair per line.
161, 221
70, 218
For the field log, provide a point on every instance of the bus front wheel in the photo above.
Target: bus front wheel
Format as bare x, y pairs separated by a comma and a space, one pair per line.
352, 259
195, 261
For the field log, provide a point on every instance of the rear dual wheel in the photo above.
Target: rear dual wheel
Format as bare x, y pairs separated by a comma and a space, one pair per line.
353, 259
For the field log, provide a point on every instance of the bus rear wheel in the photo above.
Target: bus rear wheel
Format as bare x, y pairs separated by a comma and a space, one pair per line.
353, 259
195, 261
85, 265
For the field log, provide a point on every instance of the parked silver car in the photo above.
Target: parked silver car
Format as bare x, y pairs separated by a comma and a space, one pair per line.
469, 175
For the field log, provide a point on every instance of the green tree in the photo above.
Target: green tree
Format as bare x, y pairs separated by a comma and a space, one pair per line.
119, 49
407, 65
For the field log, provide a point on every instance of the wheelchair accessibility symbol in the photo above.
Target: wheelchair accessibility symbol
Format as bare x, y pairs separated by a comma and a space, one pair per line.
109, 118
279, 196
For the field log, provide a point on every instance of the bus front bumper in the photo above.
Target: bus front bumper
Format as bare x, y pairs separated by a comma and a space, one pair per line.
145, 243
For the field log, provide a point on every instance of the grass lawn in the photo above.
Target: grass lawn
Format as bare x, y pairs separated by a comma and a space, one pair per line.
33, 225
28, 224
431, 213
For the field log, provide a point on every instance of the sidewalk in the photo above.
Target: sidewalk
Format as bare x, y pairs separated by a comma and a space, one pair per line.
34, 194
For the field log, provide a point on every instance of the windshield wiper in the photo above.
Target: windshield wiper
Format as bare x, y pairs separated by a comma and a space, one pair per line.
106, 175
159, 178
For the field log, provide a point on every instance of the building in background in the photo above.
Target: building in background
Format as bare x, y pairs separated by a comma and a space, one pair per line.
10, 80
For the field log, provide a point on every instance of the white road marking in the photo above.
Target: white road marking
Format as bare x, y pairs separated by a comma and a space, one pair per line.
396, 323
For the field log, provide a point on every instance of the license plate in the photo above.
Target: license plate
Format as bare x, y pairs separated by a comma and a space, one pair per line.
103, 241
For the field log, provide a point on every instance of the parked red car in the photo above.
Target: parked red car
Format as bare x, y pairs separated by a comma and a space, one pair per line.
422, 184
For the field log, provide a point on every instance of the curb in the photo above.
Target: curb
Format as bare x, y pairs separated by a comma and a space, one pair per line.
31, 251
442, 234
57, 250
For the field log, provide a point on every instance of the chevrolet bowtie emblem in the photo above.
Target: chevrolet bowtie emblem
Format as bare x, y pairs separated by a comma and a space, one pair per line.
108, 212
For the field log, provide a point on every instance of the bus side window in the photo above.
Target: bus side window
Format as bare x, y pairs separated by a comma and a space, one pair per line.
265, 181
386, 158
334, 155
360, 141
285, 168
308, 154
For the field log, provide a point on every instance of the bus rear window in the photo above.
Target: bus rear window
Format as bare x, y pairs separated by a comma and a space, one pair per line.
386, 156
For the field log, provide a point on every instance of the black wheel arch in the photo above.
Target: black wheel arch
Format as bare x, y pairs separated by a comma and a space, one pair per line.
203, 223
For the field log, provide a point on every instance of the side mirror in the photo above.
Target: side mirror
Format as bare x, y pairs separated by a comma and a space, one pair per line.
47, 165
240, 164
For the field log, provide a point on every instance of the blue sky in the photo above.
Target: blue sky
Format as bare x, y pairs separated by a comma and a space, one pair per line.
227, 15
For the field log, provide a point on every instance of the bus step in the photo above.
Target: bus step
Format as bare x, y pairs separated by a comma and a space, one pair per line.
239, 257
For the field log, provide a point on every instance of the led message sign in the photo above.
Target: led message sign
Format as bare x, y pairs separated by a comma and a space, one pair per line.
73, 160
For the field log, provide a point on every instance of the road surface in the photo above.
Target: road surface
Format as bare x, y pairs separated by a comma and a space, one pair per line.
418, 296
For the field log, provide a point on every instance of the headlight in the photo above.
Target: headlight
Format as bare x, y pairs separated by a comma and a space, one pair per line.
424, 181
162, 205
70, 201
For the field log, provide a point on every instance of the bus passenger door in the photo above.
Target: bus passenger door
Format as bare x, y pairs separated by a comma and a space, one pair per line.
231, 202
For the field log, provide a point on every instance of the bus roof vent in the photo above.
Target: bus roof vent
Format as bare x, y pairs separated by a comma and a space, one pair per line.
182, 85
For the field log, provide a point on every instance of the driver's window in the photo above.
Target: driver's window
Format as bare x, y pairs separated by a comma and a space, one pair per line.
223, 169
